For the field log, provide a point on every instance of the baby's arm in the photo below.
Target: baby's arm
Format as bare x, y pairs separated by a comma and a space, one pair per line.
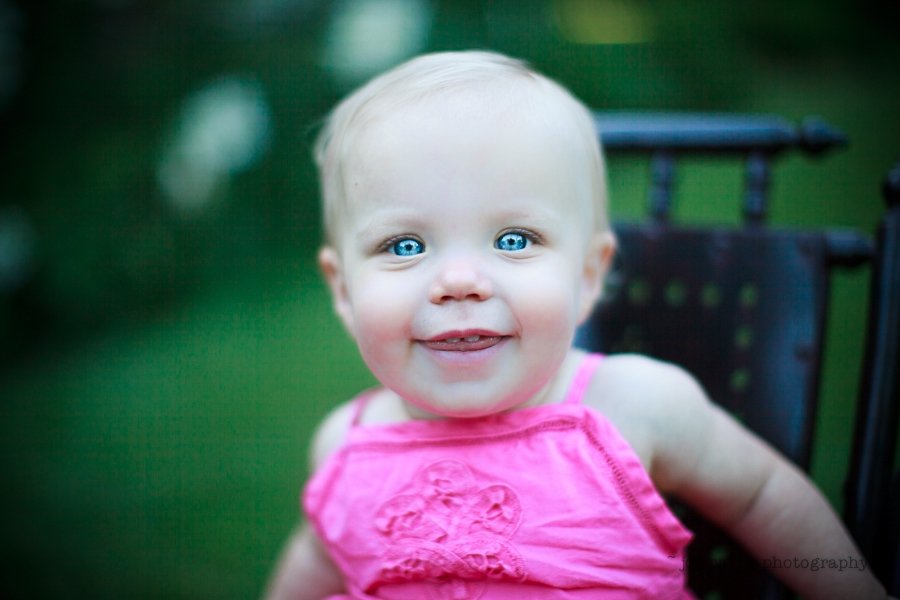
304, 571
736, 480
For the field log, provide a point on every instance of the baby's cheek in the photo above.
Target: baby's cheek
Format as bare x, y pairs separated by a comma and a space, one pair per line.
379, 343
377, 298
380, 323
551, 306
377, 316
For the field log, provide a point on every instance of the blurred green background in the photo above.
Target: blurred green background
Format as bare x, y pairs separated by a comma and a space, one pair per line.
166, 345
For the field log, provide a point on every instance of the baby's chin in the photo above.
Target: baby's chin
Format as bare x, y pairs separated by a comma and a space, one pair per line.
435, 409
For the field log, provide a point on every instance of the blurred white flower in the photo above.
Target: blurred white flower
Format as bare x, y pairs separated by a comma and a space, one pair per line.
369, 36
223, 129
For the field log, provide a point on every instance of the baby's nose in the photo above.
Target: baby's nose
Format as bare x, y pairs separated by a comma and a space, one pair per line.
460, 281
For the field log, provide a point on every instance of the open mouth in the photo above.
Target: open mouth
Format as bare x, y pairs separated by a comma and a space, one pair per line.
464, 343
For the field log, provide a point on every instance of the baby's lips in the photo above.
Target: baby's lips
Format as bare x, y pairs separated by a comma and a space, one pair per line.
463, 343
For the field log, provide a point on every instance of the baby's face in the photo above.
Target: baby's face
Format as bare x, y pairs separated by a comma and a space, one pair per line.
466, 255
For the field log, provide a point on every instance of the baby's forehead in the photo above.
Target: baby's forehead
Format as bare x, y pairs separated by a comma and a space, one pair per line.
523, 166
470, 118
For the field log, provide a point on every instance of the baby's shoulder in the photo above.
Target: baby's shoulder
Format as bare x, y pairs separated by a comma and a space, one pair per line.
331, 432
638, 382
647, 399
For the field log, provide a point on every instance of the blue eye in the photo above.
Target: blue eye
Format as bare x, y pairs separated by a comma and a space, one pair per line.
511, 241
407, 247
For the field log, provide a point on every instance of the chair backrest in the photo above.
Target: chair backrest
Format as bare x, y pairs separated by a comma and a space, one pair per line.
742, 308
872, 493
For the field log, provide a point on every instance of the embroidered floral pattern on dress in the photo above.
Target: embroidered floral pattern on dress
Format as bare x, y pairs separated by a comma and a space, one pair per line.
447, 530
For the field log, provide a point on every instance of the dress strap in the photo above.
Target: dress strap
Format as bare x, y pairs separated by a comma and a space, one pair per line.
359, 405
582, 378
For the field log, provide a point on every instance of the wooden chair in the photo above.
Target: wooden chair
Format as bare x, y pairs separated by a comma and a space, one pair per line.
744, 309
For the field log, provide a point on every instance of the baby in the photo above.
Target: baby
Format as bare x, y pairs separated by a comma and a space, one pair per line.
467, 238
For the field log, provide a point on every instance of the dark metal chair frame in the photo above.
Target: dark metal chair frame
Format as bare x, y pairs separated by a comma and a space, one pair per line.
745, 309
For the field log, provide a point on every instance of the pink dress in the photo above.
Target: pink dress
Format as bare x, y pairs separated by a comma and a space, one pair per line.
543, 502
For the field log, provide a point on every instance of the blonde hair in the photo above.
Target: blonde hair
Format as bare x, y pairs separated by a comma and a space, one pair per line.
428, 75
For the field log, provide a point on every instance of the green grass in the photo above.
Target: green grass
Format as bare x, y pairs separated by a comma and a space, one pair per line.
166, 461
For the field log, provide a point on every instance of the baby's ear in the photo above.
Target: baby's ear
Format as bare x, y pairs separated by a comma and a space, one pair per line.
599, 257
333, 270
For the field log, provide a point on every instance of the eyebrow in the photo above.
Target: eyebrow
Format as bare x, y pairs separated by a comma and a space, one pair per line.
531, 210
391, 218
